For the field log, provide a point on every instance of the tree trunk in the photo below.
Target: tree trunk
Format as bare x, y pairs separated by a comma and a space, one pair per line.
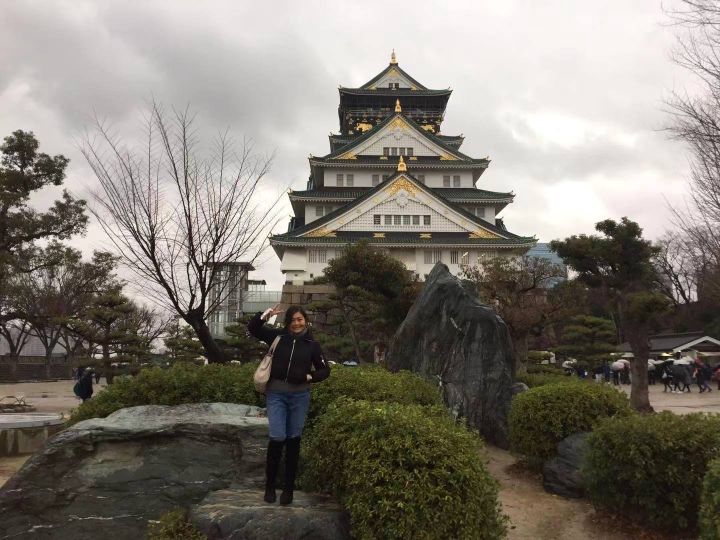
639, 396
353, 334
520, 347
214, 352
107, 364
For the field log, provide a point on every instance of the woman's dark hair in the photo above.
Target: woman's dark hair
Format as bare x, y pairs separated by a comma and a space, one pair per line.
292, 310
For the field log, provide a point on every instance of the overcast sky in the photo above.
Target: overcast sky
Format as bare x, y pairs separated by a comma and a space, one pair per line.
565, 97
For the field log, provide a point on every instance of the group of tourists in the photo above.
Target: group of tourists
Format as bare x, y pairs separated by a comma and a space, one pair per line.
679, 375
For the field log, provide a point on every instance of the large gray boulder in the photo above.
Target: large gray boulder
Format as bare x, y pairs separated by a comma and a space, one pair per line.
237, 514
107, 477
449, 335
562, 474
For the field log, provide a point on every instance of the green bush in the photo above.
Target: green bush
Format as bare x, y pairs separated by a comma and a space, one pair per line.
551, 369
371, 383
535, 357
534, 380
182, 383
709, 519
174, 525
650, 468
403, 471
543, 416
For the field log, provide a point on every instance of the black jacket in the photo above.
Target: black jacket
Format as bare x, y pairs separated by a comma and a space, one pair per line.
295, 357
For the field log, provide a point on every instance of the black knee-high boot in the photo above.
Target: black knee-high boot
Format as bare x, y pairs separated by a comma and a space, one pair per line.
274, 453
292, 455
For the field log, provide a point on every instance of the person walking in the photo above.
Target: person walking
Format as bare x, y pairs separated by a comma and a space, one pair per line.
84, 387
297, 363
702, 375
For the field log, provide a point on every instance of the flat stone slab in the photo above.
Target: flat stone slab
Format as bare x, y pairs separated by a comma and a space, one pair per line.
242, 514
24, 420
106, 477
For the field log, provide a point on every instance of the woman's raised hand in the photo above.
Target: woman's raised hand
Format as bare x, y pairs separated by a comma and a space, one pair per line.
275, 310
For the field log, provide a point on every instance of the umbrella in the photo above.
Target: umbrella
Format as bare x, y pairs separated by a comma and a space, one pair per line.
685, 361
618, 365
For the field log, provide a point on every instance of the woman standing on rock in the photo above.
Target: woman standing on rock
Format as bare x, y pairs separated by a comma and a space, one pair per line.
297, 362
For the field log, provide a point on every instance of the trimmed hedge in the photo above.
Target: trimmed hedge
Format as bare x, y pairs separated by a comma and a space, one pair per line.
403, 471
533, 380
543, 416
650, 468
182, 383
709, 519
371, 383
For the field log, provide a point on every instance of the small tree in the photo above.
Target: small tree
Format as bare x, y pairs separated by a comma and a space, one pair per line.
181, 343
620, 265
590, 339
374, 292
177, 218
244, 347
518, 289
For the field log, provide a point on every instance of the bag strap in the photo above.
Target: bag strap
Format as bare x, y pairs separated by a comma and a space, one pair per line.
271, 352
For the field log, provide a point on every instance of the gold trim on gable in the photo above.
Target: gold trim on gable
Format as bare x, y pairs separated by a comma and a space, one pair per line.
379, 235
426, 235
347, 155
482, 233
447, 157
398, 123
402, 183
322, 231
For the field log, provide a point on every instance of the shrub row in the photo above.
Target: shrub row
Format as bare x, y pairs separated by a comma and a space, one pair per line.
710, 503
543, 416
650, 468
403, 471
534, 380
182, 383
371, 383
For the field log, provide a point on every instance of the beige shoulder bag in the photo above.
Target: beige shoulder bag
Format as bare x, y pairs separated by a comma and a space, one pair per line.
262, 373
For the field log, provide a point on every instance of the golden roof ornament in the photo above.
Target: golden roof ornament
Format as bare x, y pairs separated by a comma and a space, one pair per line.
393, 58
398, 108
401, 165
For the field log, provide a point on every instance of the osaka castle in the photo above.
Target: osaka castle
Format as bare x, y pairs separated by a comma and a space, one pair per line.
395, 180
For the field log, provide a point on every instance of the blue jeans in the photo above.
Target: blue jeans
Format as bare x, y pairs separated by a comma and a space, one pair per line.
286, 413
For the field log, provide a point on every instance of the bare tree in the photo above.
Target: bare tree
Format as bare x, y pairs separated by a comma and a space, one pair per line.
696, 121
176, 217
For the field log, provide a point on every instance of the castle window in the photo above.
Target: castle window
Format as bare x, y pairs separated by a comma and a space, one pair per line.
386, 151
446, 181
317, 255
409, 151
479, 211
393, 151
456, 180
465, 258
375, 179
388, 219
426, 220
421, 178
432, 256
351, 177
454, 257
340, 180
319, 211
376, 219
401, 151
397, 220
406, 220
416, 220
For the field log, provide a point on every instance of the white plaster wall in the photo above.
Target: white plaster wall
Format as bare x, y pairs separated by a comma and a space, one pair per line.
433, 177
311, 210
363, 221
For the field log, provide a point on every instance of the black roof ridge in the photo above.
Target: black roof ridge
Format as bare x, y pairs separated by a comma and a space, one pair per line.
345, 208
376, 129
505, 194
390, 66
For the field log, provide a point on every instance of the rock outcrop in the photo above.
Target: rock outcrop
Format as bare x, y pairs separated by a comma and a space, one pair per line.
450, 336
107, 477
562, 474
241, 514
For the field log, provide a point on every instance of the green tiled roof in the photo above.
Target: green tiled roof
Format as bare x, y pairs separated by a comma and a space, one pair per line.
405, 238
451, 194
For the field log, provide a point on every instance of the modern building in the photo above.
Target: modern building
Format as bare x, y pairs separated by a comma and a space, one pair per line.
543, 251
394, 179
664, 346
227, 295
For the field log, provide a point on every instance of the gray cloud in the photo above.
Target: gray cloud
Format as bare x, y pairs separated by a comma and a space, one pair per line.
565, 98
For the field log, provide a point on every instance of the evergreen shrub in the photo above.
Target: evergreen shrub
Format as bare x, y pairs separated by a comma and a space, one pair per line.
403, 471
543, 416
174, 525
534, 380
182, 383
372, 383
552, 369
709, 519
650, 468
